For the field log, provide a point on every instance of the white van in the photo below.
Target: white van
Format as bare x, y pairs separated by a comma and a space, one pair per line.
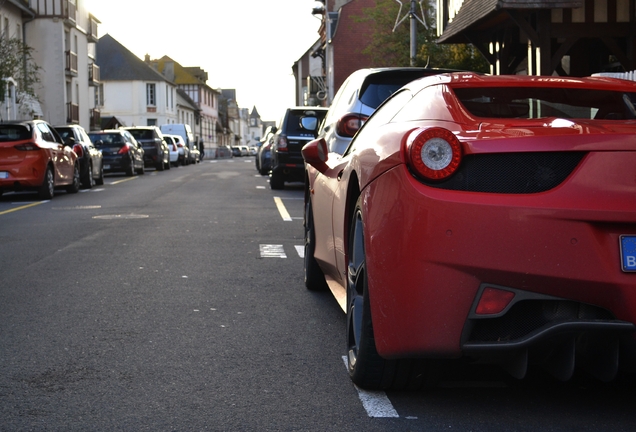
185, 132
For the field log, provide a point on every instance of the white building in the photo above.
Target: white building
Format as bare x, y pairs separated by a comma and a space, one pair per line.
133, 91
63, 35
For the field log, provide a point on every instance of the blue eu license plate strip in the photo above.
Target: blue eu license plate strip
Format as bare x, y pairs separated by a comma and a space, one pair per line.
628, 253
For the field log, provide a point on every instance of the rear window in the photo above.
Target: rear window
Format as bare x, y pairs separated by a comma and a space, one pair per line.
107, 139
14, 133
534, 102
142, 134
378, 87
292, 122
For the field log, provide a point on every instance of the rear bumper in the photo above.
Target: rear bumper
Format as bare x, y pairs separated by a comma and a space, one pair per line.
430, 252
117, 163
29, 173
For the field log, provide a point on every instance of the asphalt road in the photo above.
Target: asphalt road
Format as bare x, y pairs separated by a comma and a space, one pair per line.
174, 301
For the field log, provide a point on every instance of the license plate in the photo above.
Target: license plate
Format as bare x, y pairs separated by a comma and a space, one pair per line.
4, 175
628, 253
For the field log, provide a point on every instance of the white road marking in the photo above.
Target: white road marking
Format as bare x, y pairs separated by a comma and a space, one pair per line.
282, 210
376, 403
260, 187
272, 251
301, 250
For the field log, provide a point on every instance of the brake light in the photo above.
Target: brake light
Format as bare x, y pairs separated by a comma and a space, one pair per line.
79, 151
493, 301
433, 153
30, 146
282, 143
349, 124
124, 150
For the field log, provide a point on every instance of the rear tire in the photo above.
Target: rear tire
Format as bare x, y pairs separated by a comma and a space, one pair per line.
87, 179
47, 190
74, 187
367, 368
276, 181
314, 277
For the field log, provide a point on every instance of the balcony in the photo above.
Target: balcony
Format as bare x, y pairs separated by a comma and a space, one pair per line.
95, 119
70, 15
72, 113
92, 30
64, 9
93, 75
71, 63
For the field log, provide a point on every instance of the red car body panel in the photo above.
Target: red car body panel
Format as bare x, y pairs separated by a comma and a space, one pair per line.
428, 250
27, 168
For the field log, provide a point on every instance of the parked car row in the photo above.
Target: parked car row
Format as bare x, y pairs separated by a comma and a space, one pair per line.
486, 219
35, 156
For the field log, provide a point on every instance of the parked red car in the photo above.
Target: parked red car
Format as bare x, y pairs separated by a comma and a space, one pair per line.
34, 157
489, 218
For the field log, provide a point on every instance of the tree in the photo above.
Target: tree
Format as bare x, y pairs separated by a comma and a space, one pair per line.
16, 61
392, 48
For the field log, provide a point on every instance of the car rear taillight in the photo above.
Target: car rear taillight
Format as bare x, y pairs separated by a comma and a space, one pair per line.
433, 153
281, 145
124, 150
30, 146
493, 301
79, 151
349, 124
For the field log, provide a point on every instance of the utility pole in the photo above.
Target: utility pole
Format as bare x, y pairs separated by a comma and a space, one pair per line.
414, 18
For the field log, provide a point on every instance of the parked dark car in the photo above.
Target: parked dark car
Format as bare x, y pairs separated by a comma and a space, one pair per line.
34, 157
264, 151
295, 129
90, 159
120, 151
156, 151
236, 152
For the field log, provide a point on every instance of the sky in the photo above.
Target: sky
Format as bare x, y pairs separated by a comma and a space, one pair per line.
247, 45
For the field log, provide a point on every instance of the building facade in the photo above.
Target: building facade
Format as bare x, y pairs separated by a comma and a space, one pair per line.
544, 37
340, 47
134, 92
63, 35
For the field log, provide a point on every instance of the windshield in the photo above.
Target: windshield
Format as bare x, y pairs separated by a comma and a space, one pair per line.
535, 102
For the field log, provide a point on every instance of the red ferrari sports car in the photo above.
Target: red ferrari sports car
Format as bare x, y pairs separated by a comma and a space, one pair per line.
487, 218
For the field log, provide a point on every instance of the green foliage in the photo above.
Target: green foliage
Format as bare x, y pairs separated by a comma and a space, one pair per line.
392, 48
16, 61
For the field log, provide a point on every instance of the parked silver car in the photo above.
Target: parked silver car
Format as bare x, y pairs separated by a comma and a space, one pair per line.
359, 96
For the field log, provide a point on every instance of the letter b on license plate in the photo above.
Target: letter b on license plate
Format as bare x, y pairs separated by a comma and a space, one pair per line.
628, 253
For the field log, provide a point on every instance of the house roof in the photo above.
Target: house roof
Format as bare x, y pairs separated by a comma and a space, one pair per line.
117, 63
474, 12
182, 75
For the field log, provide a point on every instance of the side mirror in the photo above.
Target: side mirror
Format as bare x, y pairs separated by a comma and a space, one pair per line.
309, 123
315, 154
70, 141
